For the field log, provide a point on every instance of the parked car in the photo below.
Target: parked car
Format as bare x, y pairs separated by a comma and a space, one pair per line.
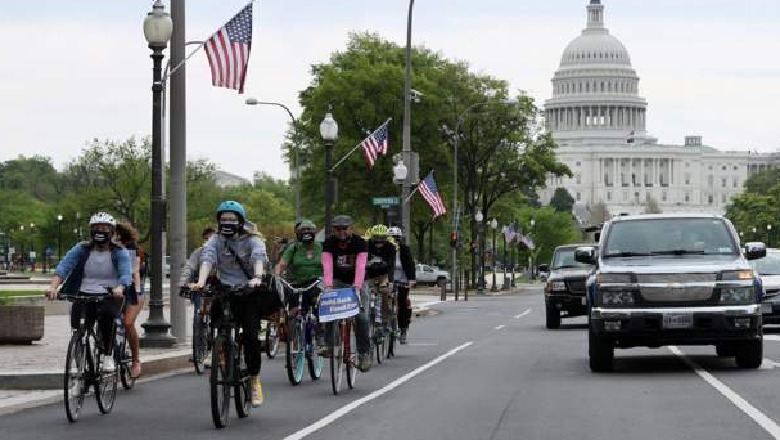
768, 269
431, 275
673, 279
543, 272
564, 289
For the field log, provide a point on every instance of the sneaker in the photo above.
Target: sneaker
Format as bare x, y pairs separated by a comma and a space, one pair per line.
364, 362
107, 364
207, 359
403, 337
257, 392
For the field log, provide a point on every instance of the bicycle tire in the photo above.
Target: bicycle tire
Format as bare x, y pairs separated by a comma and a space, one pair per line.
242, 391
219, 388
105, 383
391, 336
313, 358
74, 384
379, 343
198, 343
351, 361
336, 357
294, 350
125, 363
271, 339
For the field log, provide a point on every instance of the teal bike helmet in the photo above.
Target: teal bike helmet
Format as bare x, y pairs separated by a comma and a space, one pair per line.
232, 206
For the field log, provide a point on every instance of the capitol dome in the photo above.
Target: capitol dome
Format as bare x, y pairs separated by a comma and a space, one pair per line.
595, 89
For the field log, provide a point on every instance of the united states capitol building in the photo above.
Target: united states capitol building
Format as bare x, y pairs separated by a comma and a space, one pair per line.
597, 117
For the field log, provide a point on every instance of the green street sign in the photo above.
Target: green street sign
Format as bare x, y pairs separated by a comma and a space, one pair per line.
385, 202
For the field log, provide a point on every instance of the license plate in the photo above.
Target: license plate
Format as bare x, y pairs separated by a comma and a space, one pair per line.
766, 309
681, 320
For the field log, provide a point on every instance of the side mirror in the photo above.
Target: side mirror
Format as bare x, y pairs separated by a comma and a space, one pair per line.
544, 268
585, 254
755, 250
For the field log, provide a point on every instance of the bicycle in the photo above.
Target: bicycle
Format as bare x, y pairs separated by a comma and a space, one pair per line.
301, 330
271, 329
382, 334
201, 333
83, 363
122, 356
342, 342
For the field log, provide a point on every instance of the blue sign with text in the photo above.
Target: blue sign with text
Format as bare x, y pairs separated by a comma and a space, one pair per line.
339, 304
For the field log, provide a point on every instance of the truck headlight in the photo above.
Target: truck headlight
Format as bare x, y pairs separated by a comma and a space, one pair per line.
555, 286
737, 295
617, 298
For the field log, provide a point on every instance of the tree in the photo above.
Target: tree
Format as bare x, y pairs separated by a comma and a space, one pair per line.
652, 207
551, 228
561, 200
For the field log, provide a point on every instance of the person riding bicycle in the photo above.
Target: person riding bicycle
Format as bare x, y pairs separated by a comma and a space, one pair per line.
381, 264
303, 261
89, 268
189, 275
238, 259
127, 236
344, 257
405, 277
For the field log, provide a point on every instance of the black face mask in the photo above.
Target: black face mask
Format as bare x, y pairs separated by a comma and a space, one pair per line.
228, 229
100, 237
306, 237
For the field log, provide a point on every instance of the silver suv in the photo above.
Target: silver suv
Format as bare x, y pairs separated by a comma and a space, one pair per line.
673, 280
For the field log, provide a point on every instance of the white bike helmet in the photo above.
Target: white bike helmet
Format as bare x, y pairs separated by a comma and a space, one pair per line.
102, 218
395, 231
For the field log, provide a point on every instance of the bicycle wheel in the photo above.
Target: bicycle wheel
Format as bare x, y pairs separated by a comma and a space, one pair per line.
74, 379
219, 381
242, 391
336, 357
392, 331
199, 342
105, 387
313, 358
271, 339
124, 363
380, 342
295, 350
351, 354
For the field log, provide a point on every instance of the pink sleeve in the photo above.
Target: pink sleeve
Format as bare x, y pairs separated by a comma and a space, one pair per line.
327, 268
360, 269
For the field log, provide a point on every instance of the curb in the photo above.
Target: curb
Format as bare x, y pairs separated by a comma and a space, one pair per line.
52, 380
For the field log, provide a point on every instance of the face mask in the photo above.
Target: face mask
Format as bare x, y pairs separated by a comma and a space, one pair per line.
228, 229
99, 237
306, 237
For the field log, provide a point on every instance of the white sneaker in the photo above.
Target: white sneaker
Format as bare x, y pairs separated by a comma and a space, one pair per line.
207, 359
107, 364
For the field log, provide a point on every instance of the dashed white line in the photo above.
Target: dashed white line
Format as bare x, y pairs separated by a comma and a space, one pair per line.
499, 327
346, 409
763, 421
771, 338
527, 311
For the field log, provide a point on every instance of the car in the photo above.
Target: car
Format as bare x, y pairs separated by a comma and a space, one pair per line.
564, 289
543, 271
673, 279
432, 275
768, 269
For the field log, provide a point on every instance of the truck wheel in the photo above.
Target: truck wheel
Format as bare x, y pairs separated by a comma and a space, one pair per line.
750, 354
601, 352
553, 317
725, 350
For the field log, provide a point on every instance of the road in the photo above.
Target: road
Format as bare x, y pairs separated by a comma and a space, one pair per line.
483, 369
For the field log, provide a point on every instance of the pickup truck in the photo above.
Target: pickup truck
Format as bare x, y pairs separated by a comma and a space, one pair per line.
431, 275
564, 288
673, 279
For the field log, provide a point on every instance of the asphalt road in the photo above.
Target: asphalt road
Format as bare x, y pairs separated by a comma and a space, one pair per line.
483, 369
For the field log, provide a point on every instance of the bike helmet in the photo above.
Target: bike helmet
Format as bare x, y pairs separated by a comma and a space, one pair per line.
305, 224
378, 231
395, 231
231, 206
102, 218
342, 220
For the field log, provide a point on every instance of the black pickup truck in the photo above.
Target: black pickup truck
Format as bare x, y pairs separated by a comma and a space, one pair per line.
564, 289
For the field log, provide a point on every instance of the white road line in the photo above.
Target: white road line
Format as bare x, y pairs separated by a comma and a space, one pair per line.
772, 337
769, 364
763, 421
527, 311
499, 327
346, 409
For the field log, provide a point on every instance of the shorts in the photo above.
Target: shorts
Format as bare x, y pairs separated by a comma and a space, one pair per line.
132, 297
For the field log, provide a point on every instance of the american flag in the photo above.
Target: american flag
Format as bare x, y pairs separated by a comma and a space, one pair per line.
430, 193
527, 241
228, 51
375, 144
509, 233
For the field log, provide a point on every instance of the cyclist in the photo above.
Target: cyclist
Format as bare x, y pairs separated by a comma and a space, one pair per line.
344, 257
238, 259
127, 236
189, 275
303, 259
87, 269
405, 277
381, 263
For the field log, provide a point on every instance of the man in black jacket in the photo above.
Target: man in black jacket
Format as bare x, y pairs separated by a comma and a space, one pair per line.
404, 275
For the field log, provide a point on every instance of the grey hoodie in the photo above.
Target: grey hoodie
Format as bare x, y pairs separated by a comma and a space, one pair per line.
248, 248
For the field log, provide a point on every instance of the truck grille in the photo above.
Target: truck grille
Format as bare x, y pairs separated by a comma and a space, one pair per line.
677, 289
576, 285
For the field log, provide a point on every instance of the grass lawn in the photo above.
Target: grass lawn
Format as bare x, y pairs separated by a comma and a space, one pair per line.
7, 293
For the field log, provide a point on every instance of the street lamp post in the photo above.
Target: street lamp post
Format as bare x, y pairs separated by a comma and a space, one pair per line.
479, 217
329, 130
505, 260
59, 238
754, 233
158, 28
768, 235
494, 226
296, 164
531, 252
407, 124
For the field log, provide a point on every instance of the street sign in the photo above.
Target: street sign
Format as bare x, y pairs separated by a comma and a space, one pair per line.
385, 202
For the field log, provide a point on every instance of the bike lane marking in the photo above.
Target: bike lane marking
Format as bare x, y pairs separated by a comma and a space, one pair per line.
346, 409
526, 312
754, 413
499, 327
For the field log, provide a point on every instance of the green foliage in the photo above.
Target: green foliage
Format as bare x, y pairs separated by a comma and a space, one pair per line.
757, 207
561, 200
551, 228
652, 207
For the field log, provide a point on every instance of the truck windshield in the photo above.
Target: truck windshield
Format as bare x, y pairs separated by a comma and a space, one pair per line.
564, 259
675, 236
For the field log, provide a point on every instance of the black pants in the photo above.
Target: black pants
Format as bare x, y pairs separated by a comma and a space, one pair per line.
404, 308
246, 312
106, 313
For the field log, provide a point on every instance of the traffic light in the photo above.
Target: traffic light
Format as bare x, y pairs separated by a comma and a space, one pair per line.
454, 239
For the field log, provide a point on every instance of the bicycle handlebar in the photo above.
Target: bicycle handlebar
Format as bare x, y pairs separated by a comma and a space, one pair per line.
298, 290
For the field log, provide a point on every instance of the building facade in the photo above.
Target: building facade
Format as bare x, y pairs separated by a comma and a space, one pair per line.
597, 118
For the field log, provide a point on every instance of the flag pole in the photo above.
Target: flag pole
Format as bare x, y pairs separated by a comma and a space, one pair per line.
346, 156
416, 188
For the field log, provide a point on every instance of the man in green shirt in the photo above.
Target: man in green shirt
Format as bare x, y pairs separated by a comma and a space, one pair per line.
303, 262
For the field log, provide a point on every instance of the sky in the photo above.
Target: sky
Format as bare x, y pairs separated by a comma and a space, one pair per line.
78, 70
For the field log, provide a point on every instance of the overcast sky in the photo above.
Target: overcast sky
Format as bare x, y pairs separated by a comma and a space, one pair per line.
79, 69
